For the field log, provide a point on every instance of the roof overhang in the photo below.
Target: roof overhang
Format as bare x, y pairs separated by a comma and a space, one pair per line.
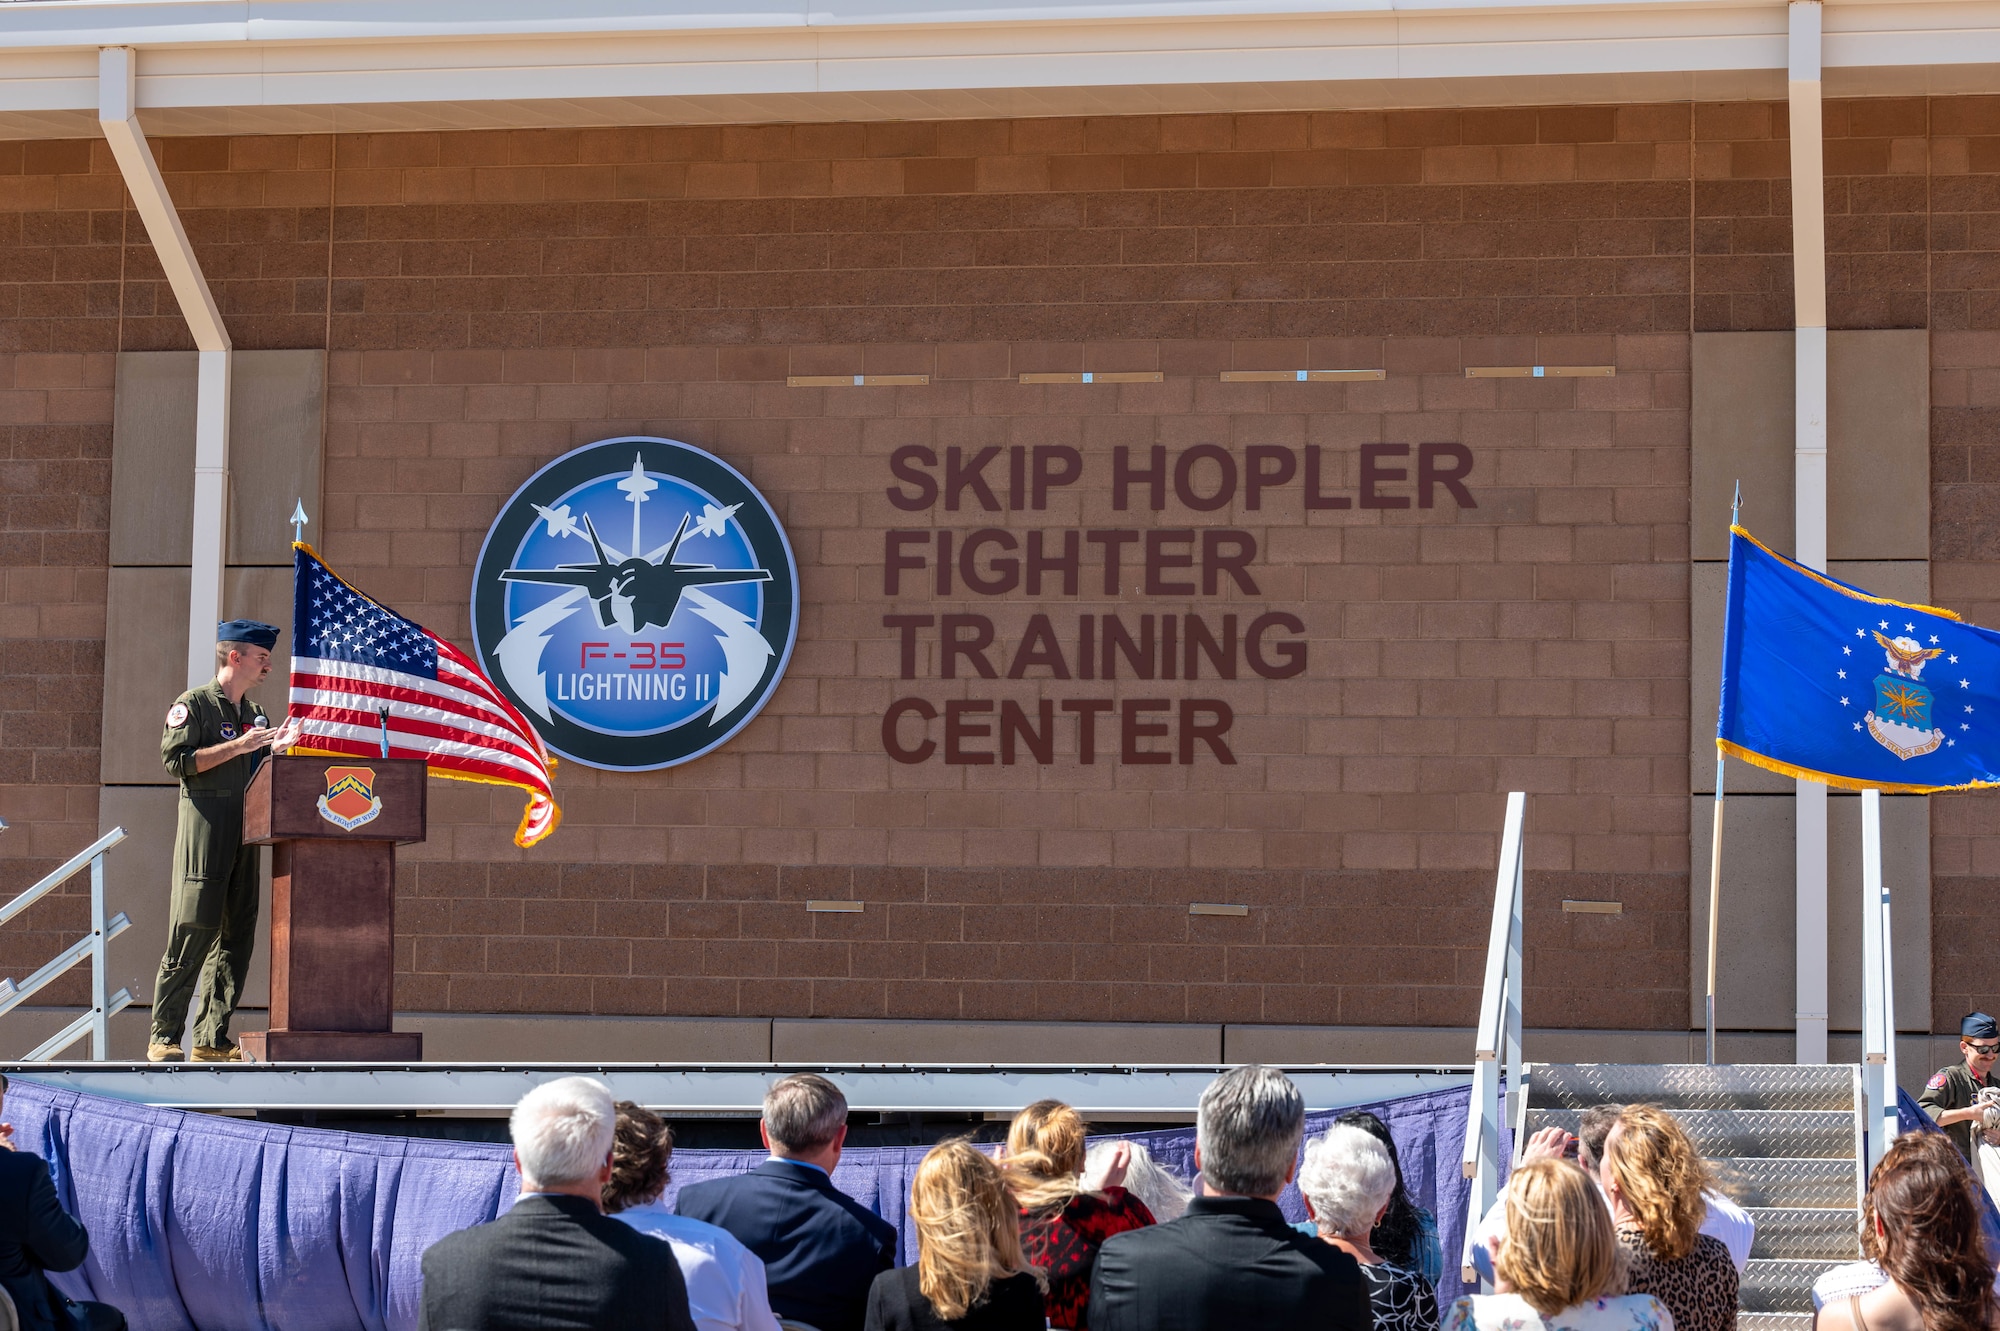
298, 66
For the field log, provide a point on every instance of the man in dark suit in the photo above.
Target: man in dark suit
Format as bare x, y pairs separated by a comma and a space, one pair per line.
37, 1235
1233, 1260
556, 1262
821, 1248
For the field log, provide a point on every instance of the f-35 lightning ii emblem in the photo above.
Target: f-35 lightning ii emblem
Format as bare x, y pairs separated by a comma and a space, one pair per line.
644, 656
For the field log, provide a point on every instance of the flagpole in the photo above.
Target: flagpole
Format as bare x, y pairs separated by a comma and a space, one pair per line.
1715, 843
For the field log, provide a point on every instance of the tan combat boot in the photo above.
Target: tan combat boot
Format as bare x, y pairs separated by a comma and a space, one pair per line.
208, 1053
169, 1052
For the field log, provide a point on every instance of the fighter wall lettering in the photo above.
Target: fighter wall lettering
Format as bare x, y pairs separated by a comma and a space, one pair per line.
1191, 563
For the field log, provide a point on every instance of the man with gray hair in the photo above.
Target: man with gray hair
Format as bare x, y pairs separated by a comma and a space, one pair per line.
556, 1262
1233, 1260
821, 1249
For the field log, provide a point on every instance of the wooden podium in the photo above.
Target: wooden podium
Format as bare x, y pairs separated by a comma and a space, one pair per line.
333, 824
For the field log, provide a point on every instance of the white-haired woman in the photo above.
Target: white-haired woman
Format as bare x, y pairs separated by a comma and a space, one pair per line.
1164, 1194
1347, 1181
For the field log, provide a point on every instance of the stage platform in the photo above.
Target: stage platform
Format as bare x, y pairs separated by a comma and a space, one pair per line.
724, 1090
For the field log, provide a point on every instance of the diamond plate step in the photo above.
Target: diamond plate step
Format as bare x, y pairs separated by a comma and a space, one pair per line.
1802, 1234
1683, 1086
1779, 1286
1774, 1322
1785, 1181
1728, 1134
1782, 1140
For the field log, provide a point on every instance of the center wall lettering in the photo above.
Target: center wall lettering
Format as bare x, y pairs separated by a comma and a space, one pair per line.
1215, 563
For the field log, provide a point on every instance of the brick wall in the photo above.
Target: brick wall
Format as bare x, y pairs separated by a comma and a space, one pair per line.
1536, 642
493, 299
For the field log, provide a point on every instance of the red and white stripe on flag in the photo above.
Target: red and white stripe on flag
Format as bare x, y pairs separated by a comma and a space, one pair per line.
352, 658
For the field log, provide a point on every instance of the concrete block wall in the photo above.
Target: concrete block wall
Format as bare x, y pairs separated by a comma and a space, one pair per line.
488, 300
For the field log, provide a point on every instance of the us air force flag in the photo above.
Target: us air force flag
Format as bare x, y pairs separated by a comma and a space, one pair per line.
1823, 681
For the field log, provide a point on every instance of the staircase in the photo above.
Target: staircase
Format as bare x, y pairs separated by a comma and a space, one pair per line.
1784, 1140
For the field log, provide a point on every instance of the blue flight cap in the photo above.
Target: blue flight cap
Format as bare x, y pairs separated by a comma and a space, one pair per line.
254, 632
1979, 1026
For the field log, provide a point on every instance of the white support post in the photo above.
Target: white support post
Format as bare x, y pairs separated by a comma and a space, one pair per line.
1512, 1008
1497, 1039
1809, 489
118, 114
100, 993
1873, 972
1890, 1119
211, 513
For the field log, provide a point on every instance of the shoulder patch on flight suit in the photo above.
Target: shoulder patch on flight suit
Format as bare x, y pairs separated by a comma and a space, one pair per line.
177, 714
1935, 1083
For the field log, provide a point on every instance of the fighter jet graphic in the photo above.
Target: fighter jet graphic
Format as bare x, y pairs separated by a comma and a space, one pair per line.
638, 592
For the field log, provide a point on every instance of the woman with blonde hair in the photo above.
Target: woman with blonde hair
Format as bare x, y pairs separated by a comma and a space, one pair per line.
1062, 1225
970, 1275
1554, 1262
1654, 1179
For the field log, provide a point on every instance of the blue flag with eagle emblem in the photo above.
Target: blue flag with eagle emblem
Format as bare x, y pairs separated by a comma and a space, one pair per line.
1825, 681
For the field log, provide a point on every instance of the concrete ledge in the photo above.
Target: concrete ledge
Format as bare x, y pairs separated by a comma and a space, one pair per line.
534, 1038
837, 1041
1452, 1046
499, 1038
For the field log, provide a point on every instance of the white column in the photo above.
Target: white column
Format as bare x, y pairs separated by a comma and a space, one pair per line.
117, 113
1809, 485
1873, 972
211, 512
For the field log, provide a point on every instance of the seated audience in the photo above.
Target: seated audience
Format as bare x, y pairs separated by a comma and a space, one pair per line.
970, 1273
1164, 1194
37, 1236
1062, 1226
1922, 1229
555, 1262
1347, 1181
1232, 1261
1555, 1262
1407, 1235
821, 1249
1655, 1180
725, 1281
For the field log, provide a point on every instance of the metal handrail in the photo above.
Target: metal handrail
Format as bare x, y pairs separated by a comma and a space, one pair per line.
1878, 986
1498, 1035
103, 1006
57, 877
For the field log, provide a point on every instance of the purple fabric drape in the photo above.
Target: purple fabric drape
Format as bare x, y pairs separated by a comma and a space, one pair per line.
226, 1225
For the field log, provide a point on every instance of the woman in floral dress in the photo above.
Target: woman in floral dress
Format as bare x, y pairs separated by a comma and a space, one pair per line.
1554, 1263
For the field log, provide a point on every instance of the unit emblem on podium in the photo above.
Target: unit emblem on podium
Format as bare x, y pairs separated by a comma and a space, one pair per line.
638, 601
350, 800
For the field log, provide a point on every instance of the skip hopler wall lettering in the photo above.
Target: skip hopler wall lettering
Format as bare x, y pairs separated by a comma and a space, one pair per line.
1214, 563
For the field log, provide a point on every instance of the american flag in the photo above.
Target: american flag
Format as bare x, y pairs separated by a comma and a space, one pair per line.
351, 657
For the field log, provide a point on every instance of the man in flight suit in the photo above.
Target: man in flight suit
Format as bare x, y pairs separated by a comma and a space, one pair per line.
215, 738
1950, 1097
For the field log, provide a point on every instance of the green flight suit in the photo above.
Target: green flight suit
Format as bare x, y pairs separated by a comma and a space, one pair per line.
213, 926
1954, 1088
